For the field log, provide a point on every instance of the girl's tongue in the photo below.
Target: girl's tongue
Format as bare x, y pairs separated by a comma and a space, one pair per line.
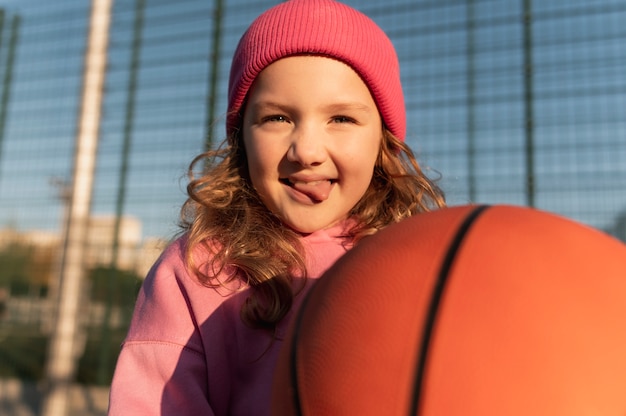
317, 190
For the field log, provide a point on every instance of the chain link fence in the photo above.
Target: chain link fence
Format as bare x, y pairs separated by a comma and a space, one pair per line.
508, 102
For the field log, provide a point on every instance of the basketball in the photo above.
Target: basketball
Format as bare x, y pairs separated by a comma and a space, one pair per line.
469, 310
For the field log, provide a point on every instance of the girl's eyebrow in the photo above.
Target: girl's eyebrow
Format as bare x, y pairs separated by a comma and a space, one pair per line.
349, 106
269, 105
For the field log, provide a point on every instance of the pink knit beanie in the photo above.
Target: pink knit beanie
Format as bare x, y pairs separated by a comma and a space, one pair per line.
324, 27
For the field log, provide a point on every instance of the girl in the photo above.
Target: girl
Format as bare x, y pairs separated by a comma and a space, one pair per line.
314, 161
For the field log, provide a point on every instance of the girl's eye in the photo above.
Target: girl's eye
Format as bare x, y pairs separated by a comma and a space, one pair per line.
275, 118
343, 119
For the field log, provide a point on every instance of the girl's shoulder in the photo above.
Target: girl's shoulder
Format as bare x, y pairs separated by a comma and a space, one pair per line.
171, 261
174, 256
173, 297
175, 262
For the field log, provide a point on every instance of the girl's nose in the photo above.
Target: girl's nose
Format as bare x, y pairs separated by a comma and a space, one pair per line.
307, 147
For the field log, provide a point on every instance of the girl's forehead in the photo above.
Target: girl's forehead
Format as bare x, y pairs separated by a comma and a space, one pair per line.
314, 75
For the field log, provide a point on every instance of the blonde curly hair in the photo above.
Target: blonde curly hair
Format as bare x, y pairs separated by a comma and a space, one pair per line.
224, 214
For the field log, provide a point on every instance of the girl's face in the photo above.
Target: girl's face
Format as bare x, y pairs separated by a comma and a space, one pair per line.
312, 134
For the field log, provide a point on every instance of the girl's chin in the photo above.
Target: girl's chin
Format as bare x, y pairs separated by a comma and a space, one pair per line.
311, 227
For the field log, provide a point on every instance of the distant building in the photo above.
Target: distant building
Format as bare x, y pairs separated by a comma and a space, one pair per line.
133, 253
100, 241
36, 238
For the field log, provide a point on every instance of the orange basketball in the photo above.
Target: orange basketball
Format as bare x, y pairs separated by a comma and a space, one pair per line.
464, 311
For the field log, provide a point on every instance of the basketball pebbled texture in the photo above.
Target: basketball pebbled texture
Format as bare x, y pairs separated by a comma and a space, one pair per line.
470, 310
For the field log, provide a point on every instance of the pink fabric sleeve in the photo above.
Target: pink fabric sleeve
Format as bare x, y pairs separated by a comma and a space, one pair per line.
161, 369
151, 380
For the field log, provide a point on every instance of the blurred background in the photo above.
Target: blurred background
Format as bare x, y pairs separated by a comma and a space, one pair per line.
104, 103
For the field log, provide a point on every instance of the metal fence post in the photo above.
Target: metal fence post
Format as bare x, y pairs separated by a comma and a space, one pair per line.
62, 355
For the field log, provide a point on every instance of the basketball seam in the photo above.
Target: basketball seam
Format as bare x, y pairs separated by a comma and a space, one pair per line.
440, 284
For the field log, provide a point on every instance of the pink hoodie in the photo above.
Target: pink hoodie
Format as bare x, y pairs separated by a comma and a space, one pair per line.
188, 352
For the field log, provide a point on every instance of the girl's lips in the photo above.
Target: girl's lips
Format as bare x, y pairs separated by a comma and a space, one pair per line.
317, 190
